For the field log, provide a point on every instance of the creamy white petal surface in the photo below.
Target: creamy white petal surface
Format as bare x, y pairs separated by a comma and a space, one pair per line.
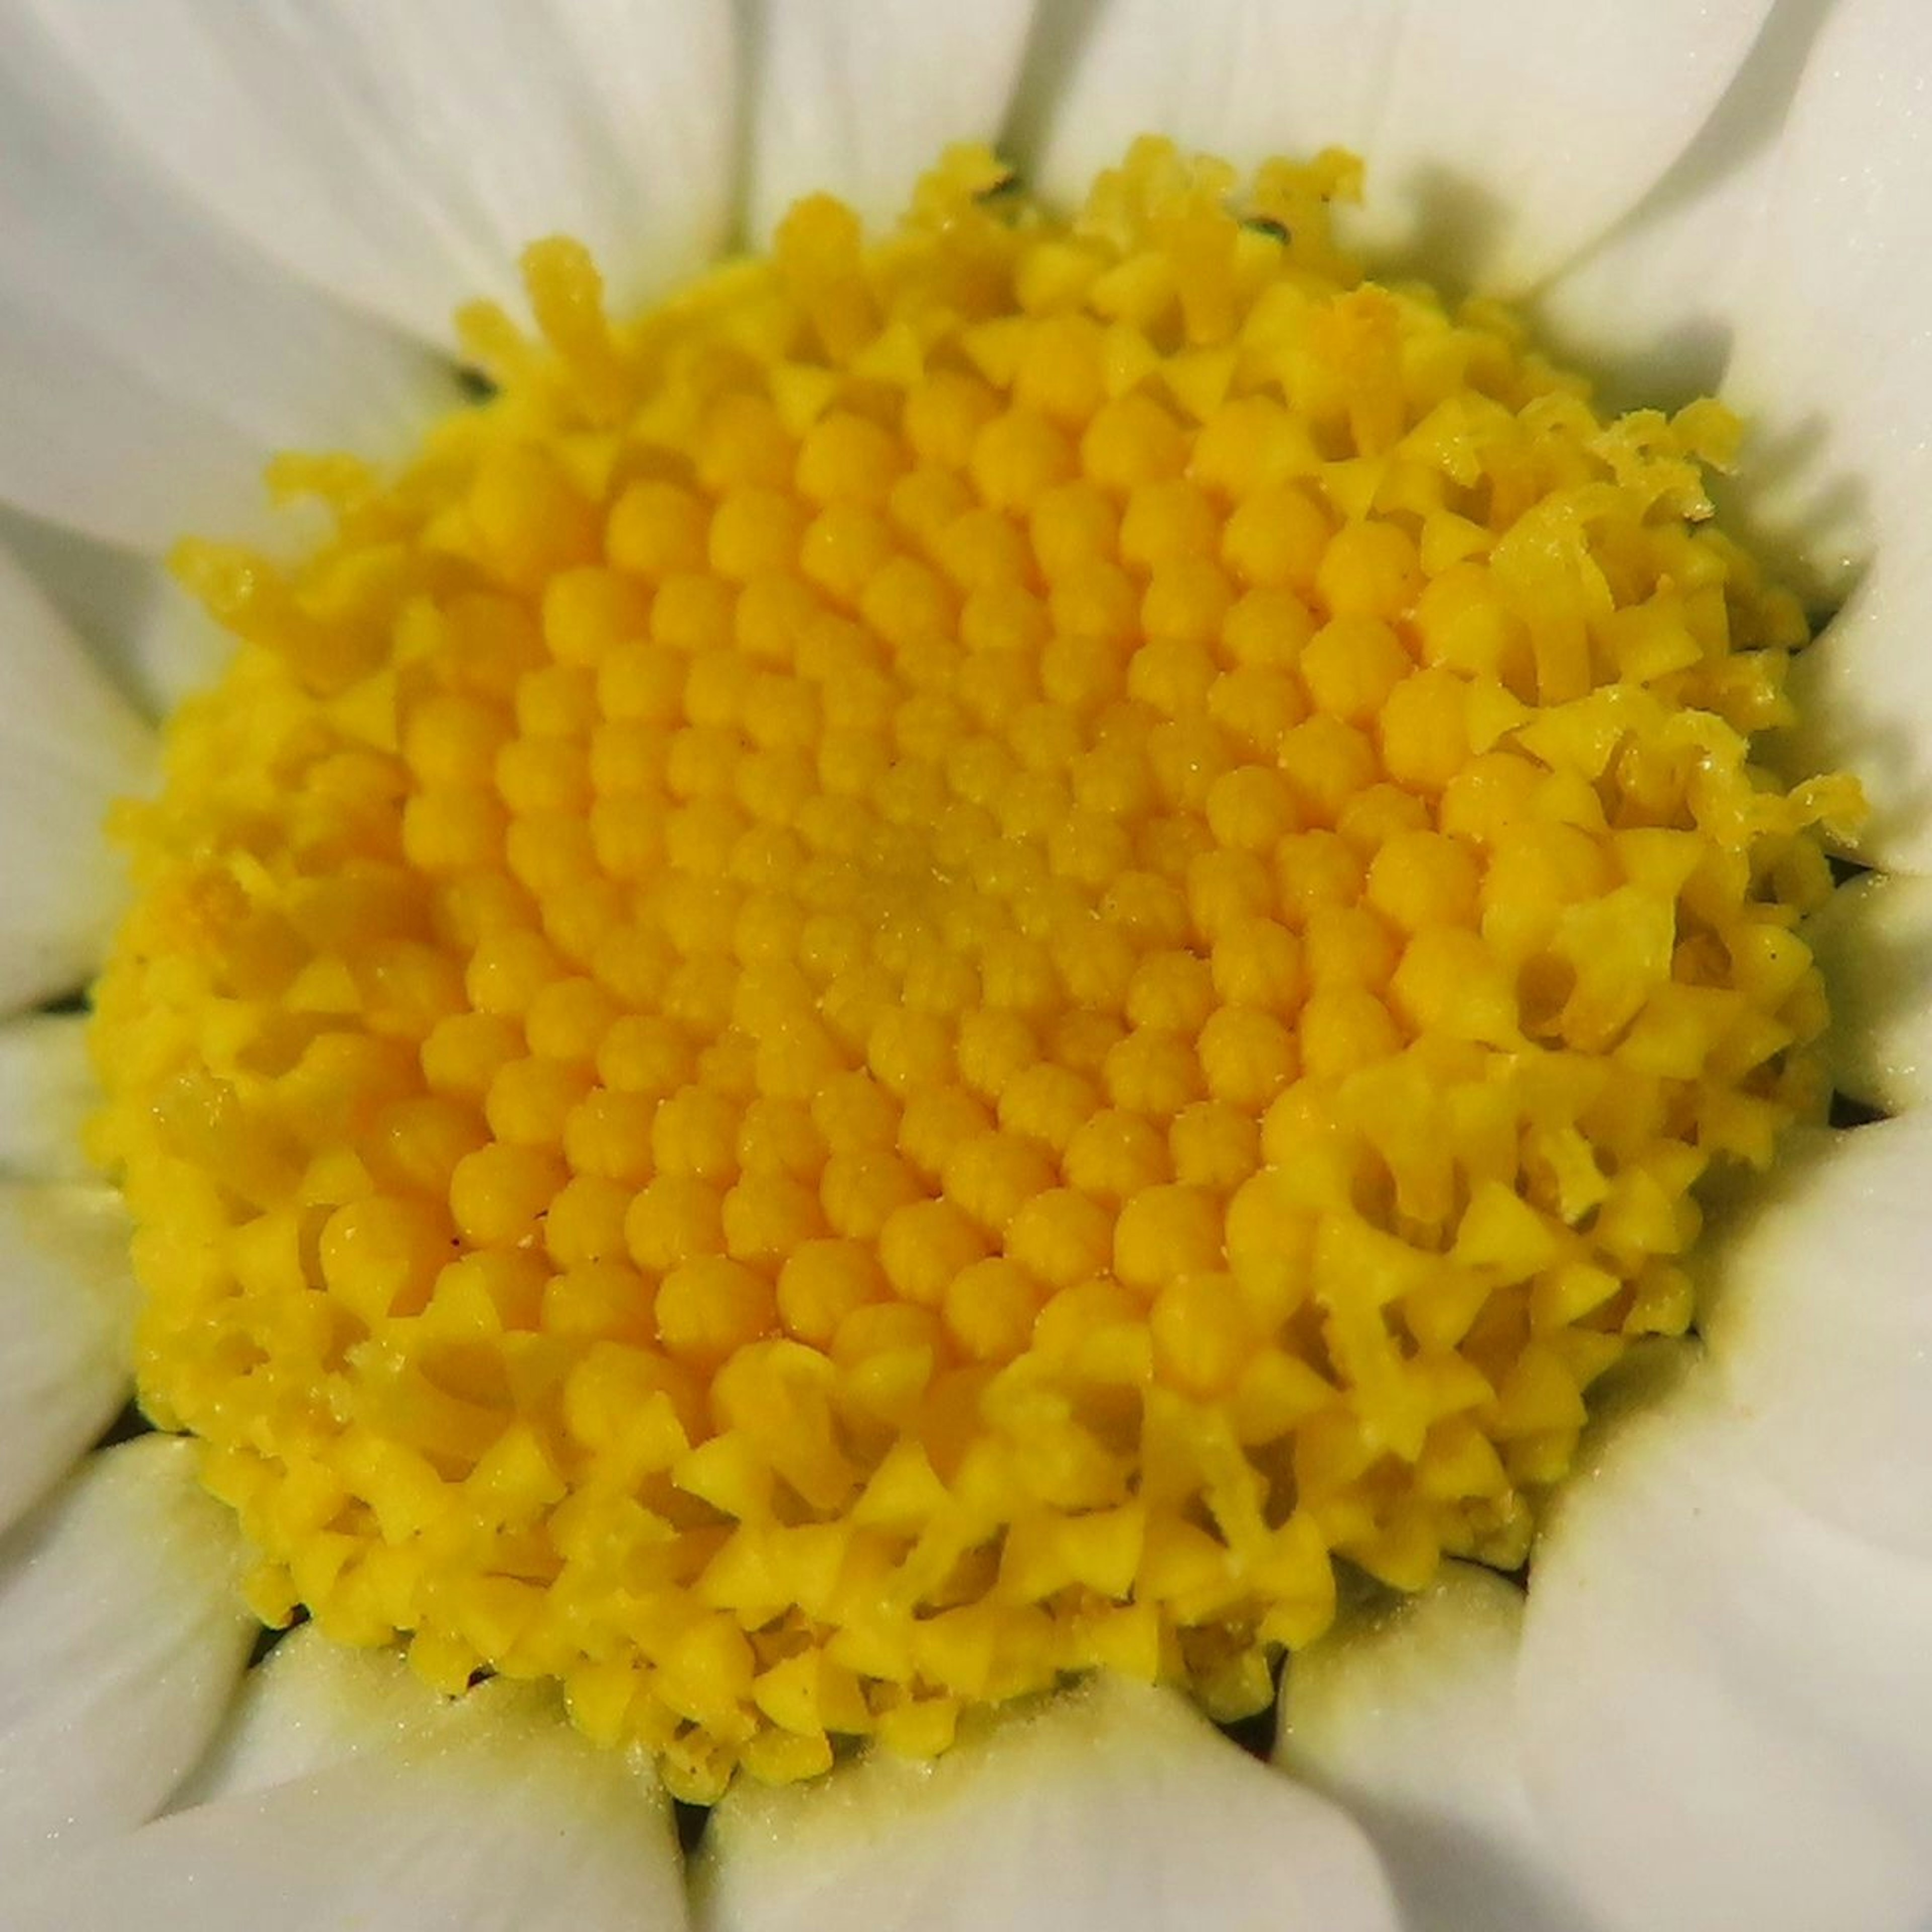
310, 1705
505, 1822
1721, 1696
69, 746
1833, 336
1873, 942
1502, 136
47, 1091
177, 650
1648, 312
1410, 1721
1117, 1807
122, 1634
859, 99
401, 156
1652, 310
1835, 358
148, 362
1863, 690
1791, 270
102, 591
67, 1312
1821, 1326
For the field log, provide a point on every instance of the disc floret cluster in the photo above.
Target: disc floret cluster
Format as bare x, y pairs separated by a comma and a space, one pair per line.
937, 968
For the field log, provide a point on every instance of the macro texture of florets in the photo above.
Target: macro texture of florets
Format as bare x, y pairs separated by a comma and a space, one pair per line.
938, 967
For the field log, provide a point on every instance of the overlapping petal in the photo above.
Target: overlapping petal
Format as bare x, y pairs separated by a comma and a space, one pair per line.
69, 746
148, 362
122, 1633
501, 1820
1118, 1807
1873, 943
47, 1092
310, 1705
102, 591
1721, 1694
1652, 310
1409, 1719
400, 157
856, 99
1821, 1330
1789, 268
67, 1311
1502, 137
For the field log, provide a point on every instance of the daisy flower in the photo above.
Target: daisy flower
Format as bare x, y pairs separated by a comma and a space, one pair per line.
232, 231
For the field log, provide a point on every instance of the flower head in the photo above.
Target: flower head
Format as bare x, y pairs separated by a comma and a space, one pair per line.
1534, 1699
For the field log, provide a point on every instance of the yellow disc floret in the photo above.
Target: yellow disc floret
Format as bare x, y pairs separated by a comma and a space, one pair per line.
937, 968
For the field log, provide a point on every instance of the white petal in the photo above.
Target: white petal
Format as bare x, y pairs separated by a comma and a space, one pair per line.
1502, 136
102, 592
401, 157
1822, 1327
507, 1823
311, 1704
47, 1092
148, 362
1649, 314
1873, 942
1116, 1806
156, 643
1834, 360
121, 1635
67, 1312
69, 746
1834, 349
177, 650
1863, 689
1409, 1720
1726, 1703
1652, 310
859, 99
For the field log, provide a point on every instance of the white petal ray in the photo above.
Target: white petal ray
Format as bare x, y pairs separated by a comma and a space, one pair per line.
311, 1704
1723, 1699
507, 1823
401, 157
121, 1635
1502, 136
148, 362
1650, 311
1821, 1326
1863, 688
1833, 357
1409, 1720
176, 650
1116, 1806
1832, 337
69, 746
67, 1313
103, 592
859, 99
47, 1091
1873, 939
156, 643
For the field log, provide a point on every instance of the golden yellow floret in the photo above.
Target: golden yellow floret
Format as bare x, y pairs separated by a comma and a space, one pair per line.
939, 968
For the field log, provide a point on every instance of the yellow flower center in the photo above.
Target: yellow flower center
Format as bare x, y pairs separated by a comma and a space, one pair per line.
937, 968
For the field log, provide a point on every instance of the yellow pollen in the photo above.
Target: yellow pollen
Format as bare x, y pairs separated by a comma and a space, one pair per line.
937, 968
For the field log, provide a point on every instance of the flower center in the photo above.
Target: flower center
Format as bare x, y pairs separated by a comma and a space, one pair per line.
937, 969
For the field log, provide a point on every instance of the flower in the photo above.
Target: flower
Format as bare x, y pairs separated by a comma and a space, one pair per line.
1711, 1707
